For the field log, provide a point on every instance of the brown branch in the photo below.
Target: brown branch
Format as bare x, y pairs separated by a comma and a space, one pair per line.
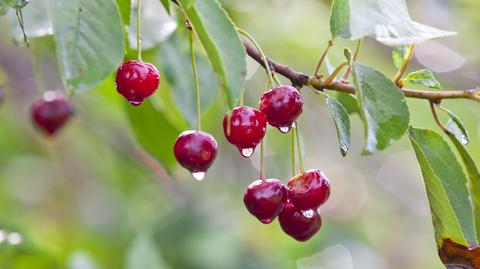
301, 79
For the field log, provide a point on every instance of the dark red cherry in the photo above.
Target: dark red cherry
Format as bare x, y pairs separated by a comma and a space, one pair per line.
51, 112
301, 225
136, 81
195, 151
246, 129
309, 190
282, 106
265, 199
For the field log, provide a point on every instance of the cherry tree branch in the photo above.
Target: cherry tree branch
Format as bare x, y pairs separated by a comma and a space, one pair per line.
299, 79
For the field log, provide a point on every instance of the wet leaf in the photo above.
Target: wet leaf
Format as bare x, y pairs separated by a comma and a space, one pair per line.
342, 124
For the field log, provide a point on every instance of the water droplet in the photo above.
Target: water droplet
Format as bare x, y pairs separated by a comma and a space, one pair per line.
266, 220
464, 140
135, 103
198, 175
308, 213
285, 129
247, 153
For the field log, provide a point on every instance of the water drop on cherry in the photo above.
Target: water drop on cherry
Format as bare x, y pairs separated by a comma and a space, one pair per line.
198, 175
247, 153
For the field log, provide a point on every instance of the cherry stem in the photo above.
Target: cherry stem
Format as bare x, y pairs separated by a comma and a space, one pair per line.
264, 58
262, 160
195, 75
322, 58
334, 74
437, 119
299, 148
404, 66
294, 168
19, 14
355, 57
139, 35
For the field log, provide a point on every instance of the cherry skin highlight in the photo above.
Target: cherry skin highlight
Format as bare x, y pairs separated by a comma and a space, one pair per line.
282, 106
51, 112
245, 128
195, 151
299, 225
309, 190
265, 199
137, 80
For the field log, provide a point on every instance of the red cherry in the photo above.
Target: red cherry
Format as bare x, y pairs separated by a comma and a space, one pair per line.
51, 112
195, 151
246, 129
301, 225
136, 81
265, 199
282, 106
309, 190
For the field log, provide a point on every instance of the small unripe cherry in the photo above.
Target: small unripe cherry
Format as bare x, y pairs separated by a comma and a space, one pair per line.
300, 225
51, 112
245, 128
282, 106
195, 151
137, 80
309, 190
265, 199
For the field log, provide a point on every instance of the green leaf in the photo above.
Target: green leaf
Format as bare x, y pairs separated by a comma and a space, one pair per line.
154, 131
456, 127
340, 19
382, 108
143, 253
342, 124
89, 40
399, 54
446, 186
125, 8
423, 77
174, 55
226, 53
388, 20
166, 5
348, 101
473, 180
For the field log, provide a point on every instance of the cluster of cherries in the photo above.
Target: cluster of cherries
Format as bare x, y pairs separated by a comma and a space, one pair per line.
296, 204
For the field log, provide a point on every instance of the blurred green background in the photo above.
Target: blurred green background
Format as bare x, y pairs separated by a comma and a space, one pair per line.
92, 198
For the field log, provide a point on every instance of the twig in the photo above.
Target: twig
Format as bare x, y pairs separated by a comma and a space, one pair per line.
300, 79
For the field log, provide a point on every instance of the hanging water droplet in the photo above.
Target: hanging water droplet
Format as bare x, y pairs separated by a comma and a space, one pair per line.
464, 140
308, 213
198, 175
285, 129
247, 153
135, 103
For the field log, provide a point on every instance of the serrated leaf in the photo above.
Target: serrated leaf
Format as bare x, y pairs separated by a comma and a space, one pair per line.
423, 77
143, 253
382, 108
154, 132
226, 53
446, 186
89, 40
473, 176
398, 55
342, 124
456, 127
176, 65
388, 20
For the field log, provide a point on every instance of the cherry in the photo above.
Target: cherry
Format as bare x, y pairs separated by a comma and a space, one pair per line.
136, 81
195, 151
282, 106
309, 190
301, 225
51, 112
265, 199
246, 129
